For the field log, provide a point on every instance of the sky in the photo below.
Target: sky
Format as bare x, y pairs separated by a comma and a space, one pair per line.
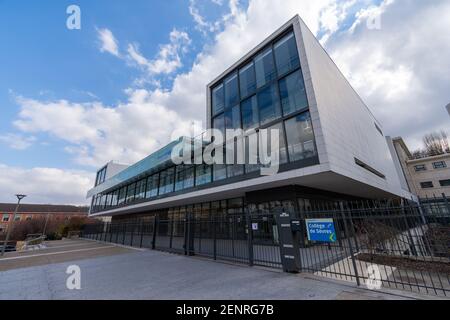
133, 77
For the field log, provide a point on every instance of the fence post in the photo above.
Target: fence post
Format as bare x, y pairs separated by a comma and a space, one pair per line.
110, 231
124, 233
141, 227
215, 237
249, 237
155, 230
190, 235
132, 233
412, 245
352, 254
171, 232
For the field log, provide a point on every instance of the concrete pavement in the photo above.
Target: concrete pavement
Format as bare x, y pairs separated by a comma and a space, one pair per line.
136, 274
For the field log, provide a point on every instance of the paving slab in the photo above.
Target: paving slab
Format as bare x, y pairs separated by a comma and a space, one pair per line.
158, 275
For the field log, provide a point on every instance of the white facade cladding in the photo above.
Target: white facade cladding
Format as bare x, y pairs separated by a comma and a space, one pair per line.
344, 127
350, 155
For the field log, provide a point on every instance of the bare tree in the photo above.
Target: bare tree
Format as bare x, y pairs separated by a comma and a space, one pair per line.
435, 143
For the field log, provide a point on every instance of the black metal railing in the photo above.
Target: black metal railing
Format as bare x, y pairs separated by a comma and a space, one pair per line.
399, 245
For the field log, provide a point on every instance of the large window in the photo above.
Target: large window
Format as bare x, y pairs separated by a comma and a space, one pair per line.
264, 68
220, 171
293, 94
282, 146
286, 55
219, 123
444, 183
426, 185
300, 137
184, 177
166, 184
251, 154
233, 118
217, 99
250, 118
122, 195
420, 167
231, 91
140, 189
130, 192
115, 198
152, 186
439, 165
247, 80
203, 174
268, 104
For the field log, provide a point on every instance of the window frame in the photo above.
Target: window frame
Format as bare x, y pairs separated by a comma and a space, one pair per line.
426, 185
439, 165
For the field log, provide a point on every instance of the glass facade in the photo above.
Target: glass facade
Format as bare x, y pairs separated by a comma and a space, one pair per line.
300, 137
293, 94
266, 92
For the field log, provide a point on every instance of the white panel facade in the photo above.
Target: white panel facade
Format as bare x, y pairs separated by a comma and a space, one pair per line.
344, 127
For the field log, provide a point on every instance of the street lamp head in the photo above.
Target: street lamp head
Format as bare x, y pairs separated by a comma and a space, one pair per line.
20, 196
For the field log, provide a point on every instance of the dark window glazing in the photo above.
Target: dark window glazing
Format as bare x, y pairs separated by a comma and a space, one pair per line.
217, 99
166, 184
130, 192
122, 195
282, 145
300, 137
426, 185
444, 183
268, 104
286, 55
231, 91
220, 172
264, 68
233, 118
152, 186
247, 80
250, 118
184, 177
439, 165
420, 167
292, 93
219, 124
203, 174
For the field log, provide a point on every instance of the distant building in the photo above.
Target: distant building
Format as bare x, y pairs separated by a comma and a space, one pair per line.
28, 212
425, 176
448, 109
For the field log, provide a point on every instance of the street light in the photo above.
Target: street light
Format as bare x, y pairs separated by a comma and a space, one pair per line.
11, 223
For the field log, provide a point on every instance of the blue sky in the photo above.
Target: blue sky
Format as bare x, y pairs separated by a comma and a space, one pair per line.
47, 61
134, 76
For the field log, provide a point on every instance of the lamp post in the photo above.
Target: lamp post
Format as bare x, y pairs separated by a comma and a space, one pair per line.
11, 224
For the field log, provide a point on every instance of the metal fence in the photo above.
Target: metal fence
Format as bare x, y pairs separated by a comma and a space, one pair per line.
378, 244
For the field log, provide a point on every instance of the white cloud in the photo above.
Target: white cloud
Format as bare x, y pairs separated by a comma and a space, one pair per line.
45, 185
108, 42
400, 71
96, 133
168, 58
17, 141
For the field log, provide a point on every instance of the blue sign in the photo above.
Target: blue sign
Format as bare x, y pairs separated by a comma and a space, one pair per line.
321, 230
